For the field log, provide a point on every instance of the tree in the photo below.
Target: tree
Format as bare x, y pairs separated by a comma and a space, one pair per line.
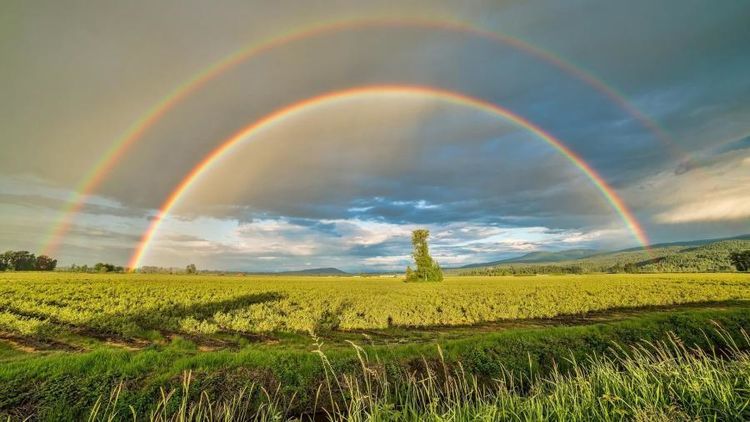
190, 269
45, 263
741, 260
19, 261
427, 268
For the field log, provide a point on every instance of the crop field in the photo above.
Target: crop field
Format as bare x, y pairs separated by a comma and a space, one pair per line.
134, 305
244, 344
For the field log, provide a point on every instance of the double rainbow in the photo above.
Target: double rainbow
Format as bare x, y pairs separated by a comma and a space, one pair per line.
118, 149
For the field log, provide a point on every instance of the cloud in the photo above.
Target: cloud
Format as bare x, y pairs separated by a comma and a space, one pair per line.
716, 208
60, 205
355, 245
400, 165
719, 190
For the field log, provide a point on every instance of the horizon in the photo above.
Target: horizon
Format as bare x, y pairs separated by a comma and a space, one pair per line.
365, 270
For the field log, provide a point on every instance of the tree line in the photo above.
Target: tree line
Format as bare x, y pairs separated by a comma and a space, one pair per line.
26, 261
99, 267
105, 267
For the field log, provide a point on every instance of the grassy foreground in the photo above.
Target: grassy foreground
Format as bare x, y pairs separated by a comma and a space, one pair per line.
68, 341
65, 386
662, 381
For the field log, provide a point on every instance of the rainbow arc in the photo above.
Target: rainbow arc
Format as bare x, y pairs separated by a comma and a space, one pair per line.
284, 113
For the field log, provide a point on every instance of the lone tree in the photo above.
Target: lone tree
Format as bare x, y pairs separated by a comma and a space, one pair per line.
427, 268
191, 269
741, 260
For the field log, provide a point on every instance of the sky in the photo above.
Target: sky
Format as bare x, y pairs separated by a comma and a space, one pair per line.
654, 97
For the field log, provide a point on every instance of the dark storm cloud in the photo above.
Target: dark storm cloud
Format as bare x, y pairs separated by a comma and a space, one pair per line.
389, 248
417, 181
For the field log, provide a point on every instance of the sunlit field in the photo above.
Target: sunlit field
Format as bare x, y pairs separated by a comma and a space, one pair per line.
136, 305
466, 348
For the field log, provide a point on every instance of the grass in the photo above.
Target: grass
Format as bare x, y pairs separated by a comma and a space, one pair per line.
63, 385
69, 340
663, 380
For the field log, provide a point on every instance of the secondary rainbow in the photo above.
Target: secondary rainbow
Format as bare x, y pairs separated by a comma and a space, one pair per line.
284, 113
118, 149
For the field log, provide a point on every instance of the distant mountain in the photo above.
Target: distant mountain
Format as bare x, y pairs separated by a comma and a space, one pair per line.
315, 271
540, 256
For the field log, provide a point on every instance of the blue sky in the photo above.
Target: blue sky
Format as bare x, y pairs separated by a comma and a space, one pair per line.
342, 185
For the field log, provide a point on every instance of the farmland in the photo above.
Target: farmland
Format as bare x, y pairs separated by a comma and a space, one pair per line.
148, 306
87, 334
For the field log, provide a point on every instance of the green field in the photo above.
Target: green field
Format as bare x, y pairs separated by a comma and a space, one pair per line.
68, 339
143, 306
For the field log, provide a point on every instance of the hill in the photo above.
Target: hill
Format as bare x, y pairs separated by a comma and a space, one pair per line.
540, 256
684, 243
709, 255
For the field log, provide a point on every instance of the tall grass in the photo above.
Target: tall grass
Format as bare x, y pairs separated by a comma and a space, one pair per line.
664, 380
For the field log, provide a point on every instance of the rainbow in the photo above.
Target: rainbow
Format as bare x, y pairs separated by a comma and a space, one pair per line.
284, 113
117, 150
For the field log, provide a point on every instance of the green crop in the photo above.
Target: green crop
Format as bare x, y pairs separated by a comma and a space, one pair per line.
133, 305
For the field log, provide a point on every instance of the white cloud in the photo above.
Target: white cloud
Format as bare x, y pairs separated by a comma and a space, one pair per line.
387, 260
279, 243
581, 237
716, 207
719, 191
365, 233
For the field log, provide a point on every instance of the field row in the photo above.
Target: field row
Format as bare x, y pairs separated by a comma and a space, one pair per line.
134, 305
